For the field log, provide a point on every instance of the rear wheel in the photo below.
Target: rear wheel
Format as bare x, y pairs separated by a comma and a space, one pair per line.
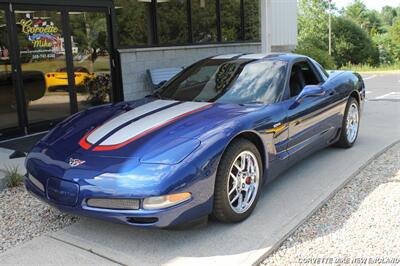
238, 182
350, 124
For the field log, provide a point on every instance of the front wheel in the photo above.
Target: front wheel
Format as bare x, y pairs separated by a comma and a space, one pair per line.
350, 124
238, 182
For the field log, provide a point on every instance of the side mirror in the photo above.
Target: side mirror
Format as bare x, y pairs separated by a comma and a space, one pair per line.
310, 91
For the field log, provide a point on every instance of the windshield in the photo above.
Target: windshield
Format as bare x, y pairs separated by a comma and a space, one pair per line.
228, 81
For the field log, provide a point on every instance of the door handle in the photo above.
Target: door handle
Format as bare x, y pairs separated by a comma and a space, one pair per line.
330, 92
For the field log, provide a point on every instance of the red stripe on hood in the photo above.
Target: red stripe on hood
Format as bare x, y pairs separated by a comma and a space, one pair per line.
122, 144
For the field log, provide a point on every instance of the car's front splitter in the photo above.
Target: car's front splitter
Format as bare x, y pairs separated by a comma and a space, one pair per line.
168, 217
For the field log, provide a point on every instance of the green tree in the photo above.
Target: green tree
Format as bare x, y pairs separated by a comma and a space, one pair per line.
388, 14
394, 31
352, 44
357, 13
368, 20
313, 24
389, 51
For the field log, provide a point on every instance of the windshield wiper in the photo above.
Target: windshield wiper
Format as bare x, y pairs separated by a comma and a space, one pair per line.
156, 94
255, 102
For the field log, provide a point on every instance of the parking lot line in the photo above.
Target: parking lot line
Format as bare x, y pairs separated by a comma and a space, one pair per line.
370, 77
390, 95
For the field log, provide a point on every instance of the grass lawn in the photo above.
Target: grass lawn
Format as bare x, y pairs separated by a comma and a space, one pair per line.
102, 64
368, 68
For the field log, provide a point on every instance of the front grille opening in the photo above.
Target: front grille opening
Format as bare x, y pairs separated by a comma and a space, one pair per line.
112, 203
142, 220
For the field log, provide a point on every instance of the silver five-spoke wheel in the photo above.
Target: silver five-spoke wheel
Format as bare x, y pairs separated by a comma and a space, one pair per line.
352, 123
243, 182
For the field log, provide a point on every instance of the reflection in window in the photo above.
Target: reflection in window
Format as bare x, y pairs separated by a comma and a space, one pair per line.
258, 82
91, 58
172, 22
8, 111
42, 54
252, 20
204, 21
228, 81
230, 20
134, 22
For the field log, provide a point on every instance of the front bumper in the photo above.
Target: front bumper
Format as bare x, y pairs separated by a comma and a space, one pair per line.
172, 216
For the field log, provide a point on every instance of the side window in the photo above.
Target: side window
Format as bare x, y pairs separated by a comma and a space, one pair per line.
320, 69
301, 75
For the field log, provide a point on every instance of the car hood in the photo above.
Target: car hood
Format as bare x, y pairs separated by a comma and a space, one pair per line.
148, 131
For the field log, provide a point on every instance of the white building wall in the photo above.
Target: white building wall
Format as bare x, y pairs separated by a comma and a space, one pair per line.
283, 22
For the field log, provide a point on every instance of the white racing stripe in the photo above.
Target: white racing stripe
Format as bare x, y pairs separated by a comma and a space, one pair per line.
225, 56
153, 121
253, 56
112, 124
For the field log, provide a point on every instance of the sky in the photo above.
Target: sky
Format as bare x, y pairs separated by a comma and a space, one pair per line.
371, 4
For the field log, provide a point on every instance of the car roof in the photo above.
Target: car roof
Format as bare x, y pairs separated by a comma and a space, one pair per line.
259, 56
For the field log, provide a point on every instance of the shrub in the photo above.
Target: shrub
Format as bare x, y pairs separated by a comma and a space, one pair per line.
12, 177
317, 54
351, 44
99, 89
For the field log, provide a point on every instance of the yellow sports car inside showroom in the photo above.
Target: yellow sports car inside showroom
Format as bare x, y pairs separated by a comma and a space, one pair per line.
58, 80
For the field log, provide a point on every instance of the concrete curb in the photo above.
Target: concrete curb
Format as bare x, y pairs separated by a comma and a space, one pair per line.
333, 193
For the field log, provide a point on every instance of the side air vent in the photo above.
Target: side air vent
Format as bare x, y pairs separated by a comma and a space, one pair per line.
142, 220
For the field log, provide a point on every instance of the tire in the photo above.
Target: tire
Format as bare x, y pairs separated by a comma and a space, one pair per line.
347, 140
249, 180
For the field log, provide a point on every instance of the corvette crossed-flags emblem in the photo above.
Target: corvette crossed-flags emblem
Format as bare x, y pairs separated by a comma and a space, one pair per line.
75, 162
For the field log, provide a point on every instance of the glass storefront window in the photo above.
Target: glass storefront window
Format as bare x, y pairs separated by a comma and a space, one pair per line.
8, 108
204, 21
172, 22
134, 22
65, 65
42, 56
252, 27
230, 20
90, 52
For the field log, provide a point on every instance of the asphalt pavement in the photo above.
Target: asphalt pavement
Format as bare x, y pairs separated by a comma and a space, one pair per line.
283, 206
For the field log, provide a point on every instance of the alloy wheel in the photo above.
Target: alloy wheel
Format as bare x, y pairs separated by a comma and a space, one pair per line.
352, 123
243, 182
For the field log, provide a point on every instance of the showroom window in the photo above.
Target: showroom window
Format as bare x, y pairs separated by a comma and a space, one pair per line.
251, 20
134, 22
230, 20
148, 23
172, 22
204, 21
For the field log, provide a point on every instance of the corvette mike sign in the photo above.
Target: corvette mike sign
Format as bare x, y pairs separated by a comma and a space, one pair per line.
44, 36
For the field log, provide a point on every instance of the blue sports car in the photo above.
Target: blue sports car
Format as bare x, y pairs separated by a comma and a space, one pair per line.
202, 145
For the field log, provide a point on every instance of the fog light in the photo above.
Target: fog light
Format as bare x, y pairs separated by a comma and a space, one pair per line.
120, 204
165, 201
36, 182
